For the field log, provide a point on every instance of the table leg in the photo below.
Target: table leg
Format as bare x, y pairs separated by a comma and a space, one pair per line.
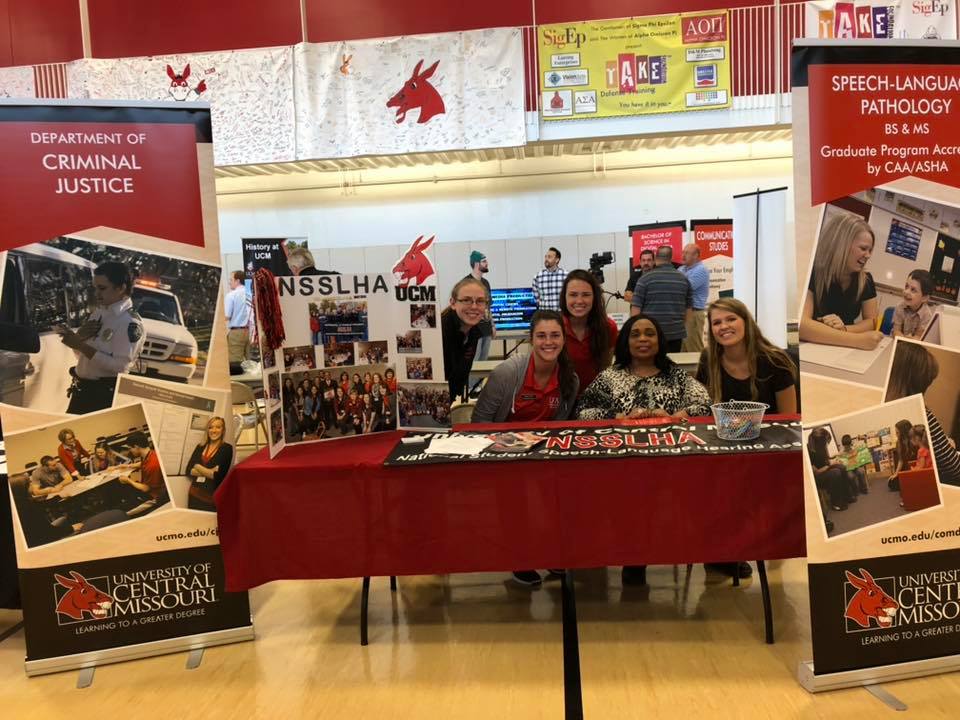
393, 583
364, 602
572, 690
767, 606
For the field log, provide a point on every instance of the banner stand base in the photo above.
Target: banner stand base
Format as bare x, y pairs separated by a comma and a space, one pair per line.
91, 660
874, 675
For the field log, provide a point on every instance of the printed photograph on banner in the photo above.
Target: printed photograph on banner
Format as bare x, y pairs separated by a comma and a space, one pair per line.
373, 353
885, 264
85, 474
424, 405
273, 388
299, 358
78, 313
423, 316
338, 354
410, 342
267, 358
932, 372
338, 319
195, 435
862, 469
322, 404
419, 368
276, 427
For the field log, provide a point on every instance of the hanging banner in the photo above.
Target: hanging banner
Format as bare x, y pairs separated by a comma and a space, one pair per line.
715, 240
879, 346
654, 235
422, 93
635, 66
882, 19
362, 354
115, 388
250, 94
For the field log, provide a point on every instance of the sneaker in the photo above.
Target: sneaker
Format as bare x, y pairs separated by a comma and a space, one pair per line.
527, 577
556, 572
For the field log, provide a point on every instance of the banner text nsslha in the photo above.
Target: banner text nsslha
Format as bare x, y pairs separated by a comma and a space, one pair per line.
635, 66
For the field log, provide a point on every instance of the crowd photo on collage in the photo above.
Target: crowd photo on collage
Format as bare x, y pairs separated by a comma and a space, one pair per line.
324, 404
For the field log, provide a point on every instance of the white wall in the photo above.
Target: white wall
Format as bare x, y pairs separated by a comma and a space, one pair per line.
512, 220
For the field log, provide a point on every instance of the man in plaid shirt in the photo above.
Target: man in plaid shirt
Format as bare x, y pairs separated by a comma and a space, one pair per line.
549, 281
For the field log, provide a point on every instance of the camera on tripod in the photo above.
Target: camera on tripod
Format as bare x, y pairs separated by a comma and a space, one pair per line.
598, 261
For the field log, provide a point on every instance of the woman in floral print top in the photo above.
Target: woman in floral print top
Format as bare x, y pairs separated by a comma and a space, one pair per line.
643, 382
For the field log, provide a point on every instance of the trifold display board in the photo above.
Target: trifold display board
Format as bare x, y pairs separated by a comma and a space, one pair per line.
115, 392
361, 354
875, 140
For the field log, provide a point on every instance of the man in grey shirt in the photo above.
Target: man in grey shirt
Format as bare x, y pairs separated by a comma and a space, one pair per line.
664, 293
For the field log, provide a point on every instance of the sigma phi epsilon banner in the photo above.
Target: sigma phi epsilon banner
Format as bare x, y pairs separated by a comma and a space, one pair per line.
635, 66
410, 94
882, 19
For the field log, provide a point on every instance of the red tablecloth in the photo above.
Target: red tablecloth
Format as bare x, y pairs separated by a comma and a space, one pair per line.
332, 510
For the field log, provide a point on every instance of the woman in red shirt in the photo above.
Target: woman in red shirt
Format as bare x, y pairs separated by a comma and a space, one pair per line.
590, 334
530, 388
72, 454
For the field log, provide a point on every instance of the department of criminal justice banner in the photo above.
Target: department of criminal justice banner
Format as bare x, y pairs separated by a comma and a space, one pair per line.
651, 236
635, 66
115, 395
878, 254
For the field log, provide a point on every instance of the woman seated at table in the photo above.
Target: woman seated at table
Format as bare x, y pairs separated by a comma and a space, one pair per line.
590, 334
904, 455
468, 306
72, 454
103, 457
208, 466
830, 476
529, 388
643, 382
912, 373
840, 289
739, 363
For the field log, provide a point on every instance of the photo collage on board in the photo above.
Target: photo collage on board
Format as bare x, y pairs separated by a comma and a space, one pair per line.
881, 313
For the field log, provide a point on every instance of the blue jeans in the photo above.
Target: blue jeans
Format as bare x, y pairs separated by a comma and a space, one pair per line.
483, 347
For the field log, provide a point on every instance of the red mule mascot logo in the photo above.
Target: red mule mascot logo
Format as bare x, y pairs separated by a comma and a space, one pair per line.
417, 92
180, 89
870, 601
82, 597
414, 265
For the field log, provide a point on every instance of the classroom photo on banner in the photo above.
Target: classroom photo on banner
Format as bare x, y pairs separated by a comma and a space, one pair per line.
872, 466
932, 372
886, 264
75, 314
61, 489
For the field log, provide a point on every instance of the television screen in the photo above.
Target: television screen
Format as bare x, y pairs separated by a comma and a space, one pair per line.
512, 308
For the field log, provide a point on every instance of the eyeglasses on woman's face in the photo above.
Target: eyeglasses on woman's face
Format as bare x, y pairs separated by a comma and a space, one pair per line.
479, 302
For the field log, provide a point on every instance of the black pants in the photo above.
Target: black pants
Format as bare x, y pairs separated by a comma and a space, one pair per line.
88, 396
837, 485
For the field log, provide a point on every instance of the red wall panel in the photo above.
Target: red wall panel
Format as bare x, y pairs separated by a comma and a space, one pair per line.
41, 32
559, 11
126, 28
331, 20
6, 51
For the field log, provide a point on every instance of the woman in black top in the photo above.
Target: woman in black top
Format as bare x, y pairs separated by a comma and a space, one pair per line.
830, 476
840, 289
739, 363
468, 306
208, 466
913, 371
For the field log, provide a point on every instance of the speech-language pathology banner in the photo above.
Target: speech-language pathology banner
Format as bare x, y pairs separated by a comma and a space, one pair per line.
881, 19
878, 250
635, 66
115, 397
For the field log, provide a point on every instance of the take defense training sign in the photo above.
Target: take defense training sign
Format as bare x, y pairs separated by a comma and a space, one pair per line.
635, 66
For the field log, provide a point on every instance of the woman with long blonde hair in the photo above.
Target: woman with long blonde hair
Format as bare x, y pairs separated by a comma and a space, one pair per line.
739, 363
841, 305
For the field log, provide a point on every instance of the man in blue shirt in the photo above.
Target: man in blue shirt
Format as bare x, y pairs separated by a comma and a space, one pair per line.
238, 320
699, 278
